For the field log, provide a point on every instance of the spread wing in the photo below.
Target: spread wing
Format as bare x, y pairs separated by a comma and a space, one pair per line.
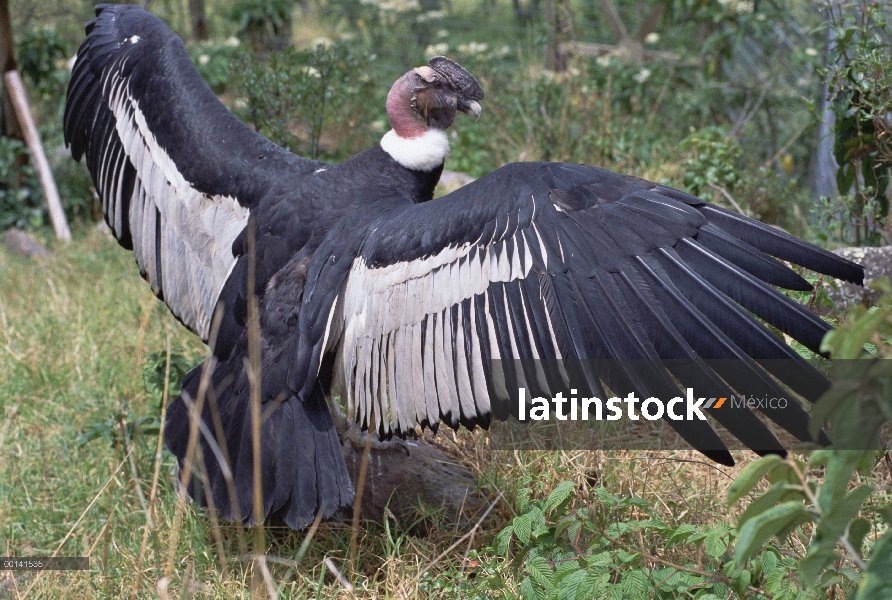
177, 173
555, 261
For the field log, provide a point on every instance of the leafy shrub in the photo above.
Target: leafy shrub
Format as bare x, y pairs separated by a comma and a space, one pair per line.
565, 548
155, 368
296, 96
712, 163
860, 85
42, 56
265, 24
79, 200
377, 23
120, 428
714, 169
21, 201
123, 425
215, 62
844, 546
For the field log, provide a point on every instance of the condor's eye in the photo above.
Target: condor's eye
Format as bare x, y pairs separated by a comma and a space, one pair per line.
438, 84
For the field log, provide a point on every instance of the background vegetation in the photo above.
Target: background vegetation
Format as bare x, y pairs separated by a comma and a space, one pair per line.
734, 107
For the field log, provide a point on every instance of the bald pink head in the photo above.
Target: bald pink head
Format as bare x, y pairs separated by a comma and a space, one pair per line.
428, 97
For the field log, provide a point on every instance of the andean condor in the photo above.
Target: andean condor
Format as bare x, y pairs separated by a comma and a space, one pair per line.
370, 289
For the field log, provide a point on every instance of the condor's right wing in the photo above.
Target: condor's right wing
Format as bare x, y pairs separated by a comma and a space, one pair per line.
178, 174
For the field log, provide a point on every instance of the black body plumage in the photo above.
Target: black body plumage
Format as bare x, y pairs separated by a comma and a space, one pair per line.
370, 289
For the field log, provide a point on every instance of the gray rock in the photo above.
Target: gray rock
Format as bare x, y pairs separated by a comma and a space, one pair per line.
451, 181
410, 474
22, 243
877, 263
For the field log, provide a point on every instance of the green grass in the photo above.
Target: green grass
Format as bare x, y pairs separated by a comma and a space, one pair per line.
76, 331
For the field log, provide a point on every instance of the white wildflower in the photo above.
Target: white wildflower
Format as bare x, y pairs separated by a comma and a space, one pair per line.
232, 42
811, 52
204, 59
738, 6
437, 49
321, 41
574, 71
240, 103
443, 33
430, 15
642, 75
503, 51
394, 5
603, 60
652, 38
378, 125
473, 48
312, 71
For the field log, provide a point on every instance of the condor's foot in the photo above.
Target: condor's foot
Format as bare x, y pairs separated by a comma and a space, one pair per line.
362, 439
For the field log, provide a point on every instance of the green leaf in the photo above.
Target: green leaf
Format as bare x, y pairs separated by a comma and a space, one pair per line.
740, 581
777, 493
682, 533
750, 476
569, 586
760, 528
840, 467
529, 591
635, 584
845, 177
851, 344
851, 574
885, 512
835, 521
503, 540
563, 524
820, 554
523, 528
537, 518
540, 571
558, 495
769, 562
716, 543
858, 529
876, 582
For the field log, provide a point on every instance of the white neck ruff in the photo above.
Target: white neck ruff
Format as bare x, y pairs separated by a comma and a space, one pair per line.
424, 153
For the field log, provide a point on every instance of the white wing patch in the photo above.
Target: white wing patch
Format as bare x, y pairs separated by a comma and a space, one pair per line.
182, 238
397, 364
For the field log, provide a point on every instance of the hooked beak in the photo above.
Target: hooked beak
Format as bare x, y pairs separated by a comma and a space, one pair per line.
471, 107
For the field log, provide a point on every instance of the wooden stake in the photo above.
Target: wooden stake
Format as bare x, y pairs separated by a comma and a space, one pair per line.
16, 90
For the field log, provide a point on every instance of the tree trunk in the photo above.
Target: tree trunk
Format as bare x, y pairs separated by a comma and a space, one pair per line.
9, 125
555, 58
199, 23
15, 87
651, 20
824, 167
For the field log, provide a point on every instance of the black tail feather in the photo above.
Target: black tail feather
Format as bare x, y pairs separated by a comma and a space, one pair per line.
302, 468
